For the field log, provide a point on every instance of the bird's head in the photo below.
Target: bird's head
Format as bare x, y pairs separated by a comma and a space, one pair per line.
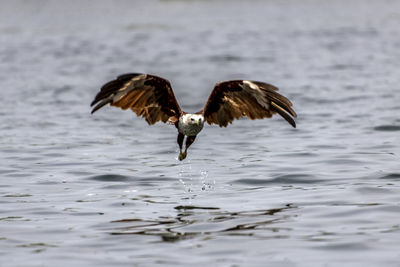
194, 119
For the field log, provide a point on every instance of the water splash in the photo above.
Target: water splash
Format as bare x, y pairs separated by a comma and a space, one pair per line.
207, 184
195, 179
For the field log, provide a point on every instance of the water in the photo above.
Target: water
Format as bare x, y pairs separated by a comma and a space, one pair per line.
108, 190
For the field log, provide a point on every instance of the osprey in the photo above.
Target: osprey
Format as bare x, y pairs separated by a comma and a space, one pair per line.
152, 98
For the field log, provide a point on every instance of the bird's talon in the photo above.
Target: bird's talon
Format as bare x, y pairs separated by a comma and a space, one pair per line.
182, 156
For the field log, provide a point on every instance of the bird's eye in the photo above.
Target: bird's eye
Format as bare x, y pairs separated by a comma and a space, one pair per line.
191, 119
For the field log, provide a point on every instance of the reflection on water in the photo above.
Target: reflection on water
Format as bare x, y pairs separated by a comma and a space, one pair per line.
192, 221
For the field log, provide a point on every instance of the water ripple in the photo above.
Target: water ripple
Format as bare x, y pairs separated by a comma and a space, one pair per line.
387, 128
282, 179
110, 178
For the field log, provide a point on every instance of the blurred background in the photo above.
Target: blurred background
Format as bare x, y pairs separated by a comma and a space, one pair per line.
107, 189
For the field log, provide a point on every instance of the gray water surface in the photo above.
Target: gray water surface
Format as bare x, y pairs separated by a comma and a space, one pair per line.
107, 189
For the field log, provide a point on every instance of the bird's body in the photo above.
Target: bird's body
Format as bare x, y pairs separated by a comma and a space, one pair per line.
152, 97
190, 124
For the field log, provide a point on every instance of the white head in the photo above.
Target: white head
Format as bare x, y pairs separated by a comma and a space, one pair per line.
192, 119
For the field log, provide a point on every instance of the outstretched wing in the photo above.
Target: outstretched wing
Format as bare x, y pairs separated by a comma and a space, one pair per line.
257, 100
149, 96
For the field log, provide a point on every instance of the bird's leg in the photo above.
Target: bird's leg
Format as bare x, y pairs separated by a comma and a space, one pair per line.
180, 143
189, 141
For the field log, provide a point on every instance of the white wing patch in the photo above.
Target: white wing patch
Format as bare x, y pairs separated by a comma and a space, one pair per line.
251, 84
257, 93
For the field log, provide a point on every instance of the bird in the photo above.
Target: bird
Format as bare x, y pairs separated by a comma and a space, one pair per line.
151, 97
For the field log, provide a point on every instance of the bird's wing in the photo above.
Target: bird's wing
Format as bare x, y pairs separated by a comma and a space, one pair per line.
147, 95
257, 100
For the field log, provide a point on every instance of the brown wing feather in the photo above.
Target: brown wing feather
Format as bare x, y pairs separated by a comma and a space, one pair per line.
149, 96
256, 100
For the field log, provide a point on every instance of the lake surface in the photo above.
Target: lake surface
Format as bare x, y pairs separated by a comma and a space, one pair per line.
107, 189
